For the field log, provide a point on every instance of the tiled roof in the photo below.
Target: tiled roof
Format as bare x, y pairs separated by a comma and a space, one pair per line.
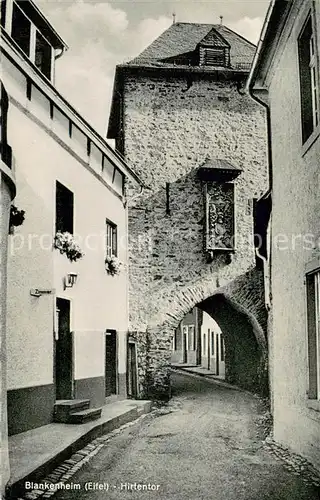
183, 38
215, 169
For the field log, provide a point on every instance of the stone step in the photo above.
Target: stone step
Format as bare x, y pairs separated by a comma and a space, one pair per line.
64, 408
80, 417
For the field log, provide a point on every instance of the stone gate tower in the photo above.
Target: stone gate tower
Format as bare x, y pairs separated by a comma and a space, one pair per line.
197, 140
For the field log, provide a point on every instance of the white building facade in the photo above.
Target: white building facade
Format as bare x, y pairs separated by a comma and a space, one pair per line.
212, 345
67, 310
286, 77
7, 194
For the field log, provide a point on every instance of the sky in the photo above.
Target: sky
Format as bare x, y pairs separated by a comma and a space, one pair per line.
102, 34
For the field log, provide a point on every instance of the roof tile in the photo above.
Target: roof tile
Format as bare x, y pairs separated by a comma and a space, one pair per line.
183, 38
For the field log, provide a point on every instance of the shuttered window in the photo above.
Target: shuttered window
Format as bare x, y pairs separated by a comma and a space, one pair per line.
215, 57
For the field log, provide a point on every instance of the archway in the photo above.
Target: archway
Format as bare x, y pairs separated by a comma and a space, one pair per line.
238, 308
245, 343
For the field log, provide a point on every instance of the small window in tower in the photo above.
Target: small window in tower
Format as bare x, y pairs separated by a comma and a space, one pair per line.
43, 55
21, 29
215, 56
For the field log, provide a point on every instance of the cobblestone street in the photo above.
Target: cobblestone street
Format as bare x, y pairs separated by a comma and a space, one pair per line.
206, 445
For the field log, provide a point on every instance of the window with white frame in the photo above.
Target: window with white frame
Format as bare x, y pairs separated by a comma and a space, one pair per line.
111, 239
21, 29
31, 41
313, 325
309, 79
43, 55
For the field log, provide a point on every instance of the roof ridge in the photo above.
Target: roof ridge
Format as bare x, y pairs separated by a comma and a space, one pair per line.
200, 24
236, 33
181, 39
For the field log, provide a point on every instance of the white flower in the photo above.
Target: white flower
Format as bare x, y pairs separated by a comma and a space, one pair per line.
65, 243
113, 265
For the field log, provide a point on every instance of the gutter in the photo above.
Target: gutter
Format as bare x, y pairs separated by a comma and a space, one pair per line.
62, 51
257, 56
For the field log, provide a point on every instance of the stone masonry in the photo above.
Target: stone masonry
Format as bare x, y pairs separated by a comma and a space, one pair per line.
171, 123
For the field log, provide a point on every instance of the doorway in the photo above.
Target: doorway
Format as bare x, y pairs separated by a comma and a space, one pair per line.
111, 363
184, 345
63, 351
132, 370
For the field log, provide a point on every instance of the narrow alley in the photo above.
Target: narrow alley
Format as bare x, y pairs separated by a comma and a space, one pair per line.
206, 445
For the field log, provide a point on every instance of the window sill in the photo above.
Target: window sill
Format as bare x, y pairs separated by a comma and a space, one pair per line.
311, 140
313, 404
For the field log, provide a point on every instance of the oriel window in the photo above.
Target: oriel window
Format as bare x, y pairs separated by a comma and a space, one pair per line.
21, 29
43, 55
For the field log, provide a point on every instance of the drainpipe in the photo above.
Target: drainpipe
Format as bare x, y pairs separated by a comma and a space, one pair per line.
250, 91
53, 65
266, 265
265, 105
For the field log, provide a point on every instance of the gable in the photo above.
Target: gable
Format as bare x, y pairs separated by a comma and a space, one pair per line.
214, 39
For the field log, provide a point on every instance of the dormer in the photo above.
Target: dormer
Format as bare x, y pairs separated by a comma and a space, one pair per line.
214, 50
32, 34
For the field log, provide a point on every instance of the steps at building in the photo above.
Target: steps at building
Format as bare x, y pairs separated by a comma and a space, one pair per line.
80, 417
75, 411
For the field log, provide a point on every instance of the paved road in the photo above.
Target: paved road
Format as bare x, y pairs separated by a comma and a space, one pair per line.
206, 448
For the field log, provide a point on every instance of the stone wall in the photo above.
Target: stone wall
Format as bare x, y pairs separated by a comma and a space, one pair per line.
169, 132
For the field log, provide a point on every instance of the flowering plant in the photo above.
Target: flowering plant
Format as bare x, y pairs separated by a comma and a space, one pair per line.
113, 265
16, 218
65, 243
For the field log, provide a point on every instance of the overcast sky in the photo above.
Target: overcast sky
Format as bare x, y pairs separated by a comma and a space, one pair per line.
103, 34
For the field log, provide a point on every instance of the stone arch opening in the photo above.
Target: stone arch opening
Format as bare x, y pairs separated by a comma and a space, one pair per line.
245, 343
238, 308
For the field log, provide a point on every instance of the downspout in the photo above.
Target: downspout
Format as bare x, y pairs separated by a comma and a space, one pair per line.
266, 265
56, 57
259, 101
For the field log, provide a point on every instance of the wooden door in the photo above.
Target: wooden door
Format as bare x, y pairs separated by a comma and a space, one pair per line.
132, 370
184, 345
111, 363
63, 352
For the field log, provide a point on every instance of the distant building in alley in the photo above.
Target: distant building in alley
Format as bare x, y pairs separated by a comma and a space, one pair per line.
67, 294
286, 77
180, 116
198, 341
